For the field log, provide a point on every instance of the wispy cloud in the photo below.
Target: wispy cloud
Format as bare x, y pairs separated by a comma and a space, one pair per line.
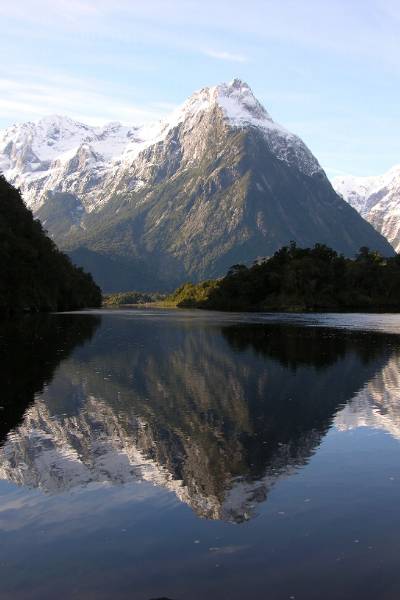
91, 101
324, 69
221, 55
338, 26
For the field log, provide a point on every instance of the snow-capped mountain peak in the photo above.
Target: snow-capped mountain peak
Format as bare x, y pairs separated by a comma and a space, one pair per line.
377, 199
237, 101
60, 154
217, 178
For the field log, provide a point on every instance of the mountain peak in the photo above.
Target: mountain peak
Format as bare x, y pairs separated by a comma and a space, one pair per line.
237, 101
55, 118
240, 104
217, 179
377, 199
238, 83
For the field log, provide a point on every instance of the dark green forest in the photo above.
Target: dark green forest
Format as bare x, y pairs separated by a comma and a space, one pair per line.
34, 275
301, 279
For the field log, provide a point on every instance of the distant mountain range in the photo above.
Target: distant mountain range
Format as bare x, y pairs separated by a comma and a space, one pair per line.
377, 199
216, 183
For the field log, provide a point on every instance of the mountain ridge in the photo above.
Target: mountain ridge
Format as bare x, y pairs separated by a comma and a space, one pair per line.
216, 183
377, 199
27, 149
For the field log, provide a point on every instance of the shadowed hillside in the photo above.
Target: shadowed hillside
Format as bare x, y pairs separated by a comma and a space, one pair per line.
34, 274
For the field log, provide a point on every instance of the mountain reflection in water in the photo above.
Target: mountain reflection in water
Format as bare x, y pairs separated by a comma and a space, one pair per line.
217, 413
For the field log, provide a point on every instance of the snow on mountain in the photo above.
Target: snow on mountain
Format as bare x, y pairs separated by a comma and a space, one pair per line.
239, 105
58, 154
377, 199
33, 156
216, 181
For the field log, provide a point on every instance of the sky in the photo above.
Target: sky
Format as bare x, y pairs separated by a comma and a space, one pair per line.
328, 70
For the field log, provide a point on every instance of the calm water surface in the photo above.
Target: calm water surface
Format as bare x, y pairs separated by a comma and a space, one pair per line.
197, 455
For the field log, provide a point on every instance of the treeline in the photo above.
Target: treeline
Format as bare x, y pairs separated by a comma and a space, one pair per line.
121, 298
34, 275
301, 279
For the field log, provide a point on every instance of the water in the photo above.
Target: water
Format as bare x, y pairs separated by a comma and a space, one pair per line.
192, 455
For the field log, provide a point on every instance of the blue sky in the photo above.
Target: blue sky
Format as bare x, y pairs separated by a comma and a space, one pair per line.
329, 70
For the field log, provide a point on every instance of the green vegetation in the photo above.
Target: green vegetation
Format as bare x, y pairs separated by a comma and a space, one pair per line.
122, 298
35, 276
301, 279
193, 295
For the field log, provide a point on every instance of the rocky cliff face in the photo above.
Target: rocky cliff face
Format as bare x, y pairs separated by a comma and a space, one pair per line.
218, 182
377, 199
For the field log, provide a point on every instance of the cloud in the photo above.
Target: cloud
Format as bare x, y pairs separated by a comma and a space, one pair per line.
221, 55
90, 101
357, 29
307, 60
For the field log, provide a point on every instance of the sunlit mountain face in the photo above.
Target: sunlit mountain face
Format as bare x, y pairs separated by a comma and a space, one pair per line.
217, 182
215, 411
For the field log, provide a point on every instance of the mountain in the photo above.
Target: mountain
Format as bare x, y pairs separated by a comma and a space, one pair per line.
377, 199
216, 183
35, 275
